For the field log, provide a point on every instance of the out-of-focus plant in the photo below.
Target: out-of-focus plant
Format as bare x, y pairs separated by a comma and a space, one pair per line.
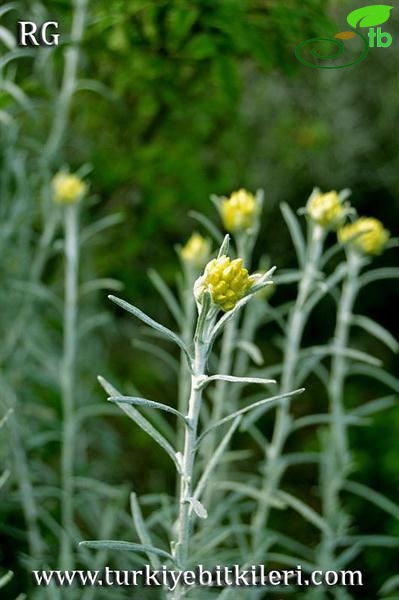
195, 521
226, 286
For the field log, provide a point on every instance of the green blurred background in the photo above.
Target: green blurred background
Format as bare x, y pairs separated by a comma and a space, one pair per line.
179, 100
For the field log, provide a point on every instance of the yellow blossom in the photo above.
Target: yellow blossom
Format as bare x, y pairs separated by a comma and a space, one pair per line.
326, 209
239, 211
68, 188
367, 234
226, 280
196, 251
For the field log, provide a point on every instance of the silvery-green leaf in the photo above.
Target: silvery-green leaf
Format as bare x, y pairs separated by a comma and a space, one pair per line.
234, 379
141, 528
100, 284
376, 330
138, 418
303, 509
324, 419
198, 508
378, 274
125, 546
209, 226
376, 373
4, 477
295, 232
390, 585
158, 352
249, 491
252, 350
369, 408
147, 404
100, 225
369, 16
224, 247
5, 417
364, 491
148, 321
4, 579
166, 294
251, 407
216, 456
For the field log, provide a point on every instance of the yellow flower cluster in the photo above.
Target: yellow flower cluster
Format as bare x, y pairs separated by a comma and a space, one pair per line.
239, 211
367, 234
196, 251
68, 188
226, 280
326, 209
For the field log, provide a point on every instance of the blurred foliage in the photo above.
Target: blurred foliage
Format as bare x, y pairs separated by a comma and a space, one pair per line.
178, 100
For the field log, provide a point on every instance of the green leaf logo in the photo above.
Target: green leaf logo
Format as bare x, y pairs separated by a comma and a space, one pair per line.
369, 16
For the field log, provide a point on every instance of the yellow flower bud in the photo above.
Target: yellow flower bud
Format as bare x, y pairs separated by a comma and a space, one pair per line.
226, 280
325, 209
68, 188
239, 211
196, 251
366, 234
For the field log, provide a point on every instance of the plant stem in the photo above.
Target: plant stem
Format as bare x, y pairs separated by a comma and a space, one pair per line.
336, 456
185, 518
29, 506
282, 427
68, 84
338, 364
68, 382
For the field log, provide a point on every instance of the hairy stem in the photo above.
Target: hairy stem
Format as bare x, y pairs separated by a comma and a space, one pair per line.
68, 85
68, 382
282, 427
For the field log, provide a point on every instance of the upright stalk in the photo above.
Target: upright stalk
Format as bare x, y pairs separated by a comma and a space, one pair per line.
338, 364
185, 517
334, 468
282, 427
68, 382
68, 85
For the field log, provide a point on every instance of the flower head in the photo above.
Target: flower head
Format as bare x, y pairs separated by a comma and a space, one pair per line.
196, 250
326, 210
67, 188
226, 280
366, 234
239, 211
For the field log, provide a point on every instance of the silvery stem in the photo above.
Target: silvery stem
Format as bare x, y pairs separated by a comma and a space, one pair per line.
68, 382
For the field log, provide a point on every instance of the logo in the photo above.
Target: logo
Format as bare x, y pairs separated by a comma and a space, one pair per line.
30, 34
370, 17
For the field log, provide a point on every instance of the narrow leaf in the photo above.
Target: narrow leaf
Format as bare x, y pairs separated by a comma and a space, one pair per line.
375, 405
198, 508
378, 274
138, 418
224, 247
234, 379
154, 324
207, 223
295, 232
125, 546
372, 496
377, 330
303, 509
245, 410
141, 528
147, 404
378, 374
215, 459
252, 350
166, 294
